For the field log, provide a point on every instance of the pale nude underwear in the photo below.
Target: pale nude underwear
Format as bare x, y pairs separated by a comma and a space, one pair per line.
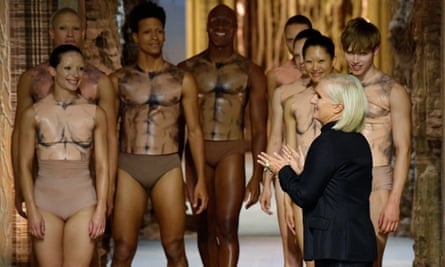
64, 187
147, 169
216, 151
382, 178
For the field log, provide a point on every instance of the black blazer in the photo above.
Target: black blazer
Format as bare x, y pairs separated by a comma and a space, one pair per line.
333, 191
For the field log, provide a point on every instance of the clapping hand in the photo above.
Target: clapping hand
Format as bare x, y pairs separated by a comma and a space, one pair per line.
296, 158
287, 156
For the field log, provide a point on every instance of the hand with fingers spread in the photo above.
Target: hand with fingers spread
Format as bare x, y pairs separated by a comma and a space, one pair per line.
296, 158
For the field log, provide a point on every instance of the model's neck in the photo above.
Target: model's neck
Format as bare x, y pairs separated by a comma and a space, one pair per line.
220, 54
64, 96
369, 75
150, 63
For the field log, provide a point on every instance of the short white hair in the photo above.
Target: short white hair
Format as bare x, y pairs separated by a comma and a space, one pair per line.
347, 90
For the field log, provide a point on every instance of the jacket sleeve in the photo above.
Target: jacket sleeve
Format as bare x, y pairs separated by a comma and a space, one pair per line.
305, 189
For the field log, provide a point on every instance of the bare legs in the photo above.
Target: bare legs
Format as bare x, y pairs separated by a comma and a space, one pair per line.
291, 252
66, 243
218, 227
167, 196
378, 200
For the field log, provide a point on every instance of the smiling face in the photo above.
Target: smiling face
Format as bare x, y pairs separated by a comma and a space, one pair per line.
150, 36
68, 73
325, 110
317, 62
360, 62
221, 26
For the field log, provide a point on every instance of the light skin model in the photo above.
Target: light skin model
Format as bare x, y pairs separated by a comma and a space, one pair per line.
36, 83
65, 211
387, 127
287, 73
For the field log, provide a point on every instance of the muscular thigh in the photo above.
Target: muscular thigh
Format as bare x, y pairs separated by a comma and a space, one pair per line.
169, 203
77, 244
129, 207
49, 250
229, 185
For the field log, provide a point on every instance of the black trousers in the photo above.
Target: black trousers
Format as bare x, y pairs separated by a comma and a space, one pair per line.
334, 263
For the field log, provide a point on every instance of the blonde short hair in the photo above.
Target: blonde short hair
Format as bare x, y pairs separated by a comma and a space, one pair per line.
347, 90
63, 11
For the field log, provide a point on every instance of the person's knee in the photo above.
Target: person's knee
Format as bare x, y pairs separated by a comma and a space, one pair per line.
123, 250
228, 230
174, 248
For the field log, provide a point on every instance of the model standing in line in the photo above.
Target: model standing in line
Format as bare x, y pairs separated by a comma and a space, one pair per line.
154, 95
387, 127
227, 81
65, 211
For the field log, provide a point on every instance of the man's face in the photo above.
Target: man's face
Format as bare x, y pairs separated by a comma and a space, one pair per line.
150, 37
221, 26
67, 29
291, 31
360, 62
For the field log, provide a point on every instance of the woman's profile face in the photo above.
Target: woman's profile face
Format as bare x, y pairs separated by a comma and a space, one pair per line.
324, 107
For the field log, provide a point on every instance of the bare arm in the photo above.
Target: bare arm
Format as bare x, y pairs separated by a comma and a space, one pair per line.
195, 137
401, 135
274, 143
97, 224
109, 102
271, 86
290, 123
258, 118
26, 139
24, 99
291, 140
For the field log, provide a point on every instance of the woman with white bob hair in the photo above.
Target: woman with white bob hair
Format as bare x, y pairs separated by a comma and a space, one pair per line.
333, 183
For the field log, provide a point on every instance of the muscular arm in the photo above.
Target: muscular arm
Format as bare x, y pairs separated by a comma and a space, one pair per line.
195, 137
101, 149
258, 118
109, 102
26, 139
24, 99
401, 135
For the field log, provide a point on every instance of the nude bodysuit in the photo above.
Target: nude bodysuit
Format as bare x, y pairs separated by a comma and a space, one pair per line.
377, 129
286, 73
307, 128
222, 95
150, 111
64, 141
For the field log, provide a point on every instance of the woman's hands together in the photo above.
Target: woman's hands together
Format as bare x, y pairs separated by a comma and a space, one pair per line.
287, 156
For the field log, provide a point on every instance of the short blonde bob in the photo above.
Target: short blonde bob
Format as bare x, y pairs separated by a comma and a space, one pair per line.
347, 90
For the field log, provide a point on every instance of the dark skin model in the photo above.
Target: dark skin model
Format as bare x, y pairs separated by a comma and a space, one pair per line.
216, 70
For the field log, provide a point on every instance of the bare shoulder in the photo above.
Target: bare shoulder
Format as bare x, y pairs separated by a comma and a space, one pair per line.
28, 115
255, 68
